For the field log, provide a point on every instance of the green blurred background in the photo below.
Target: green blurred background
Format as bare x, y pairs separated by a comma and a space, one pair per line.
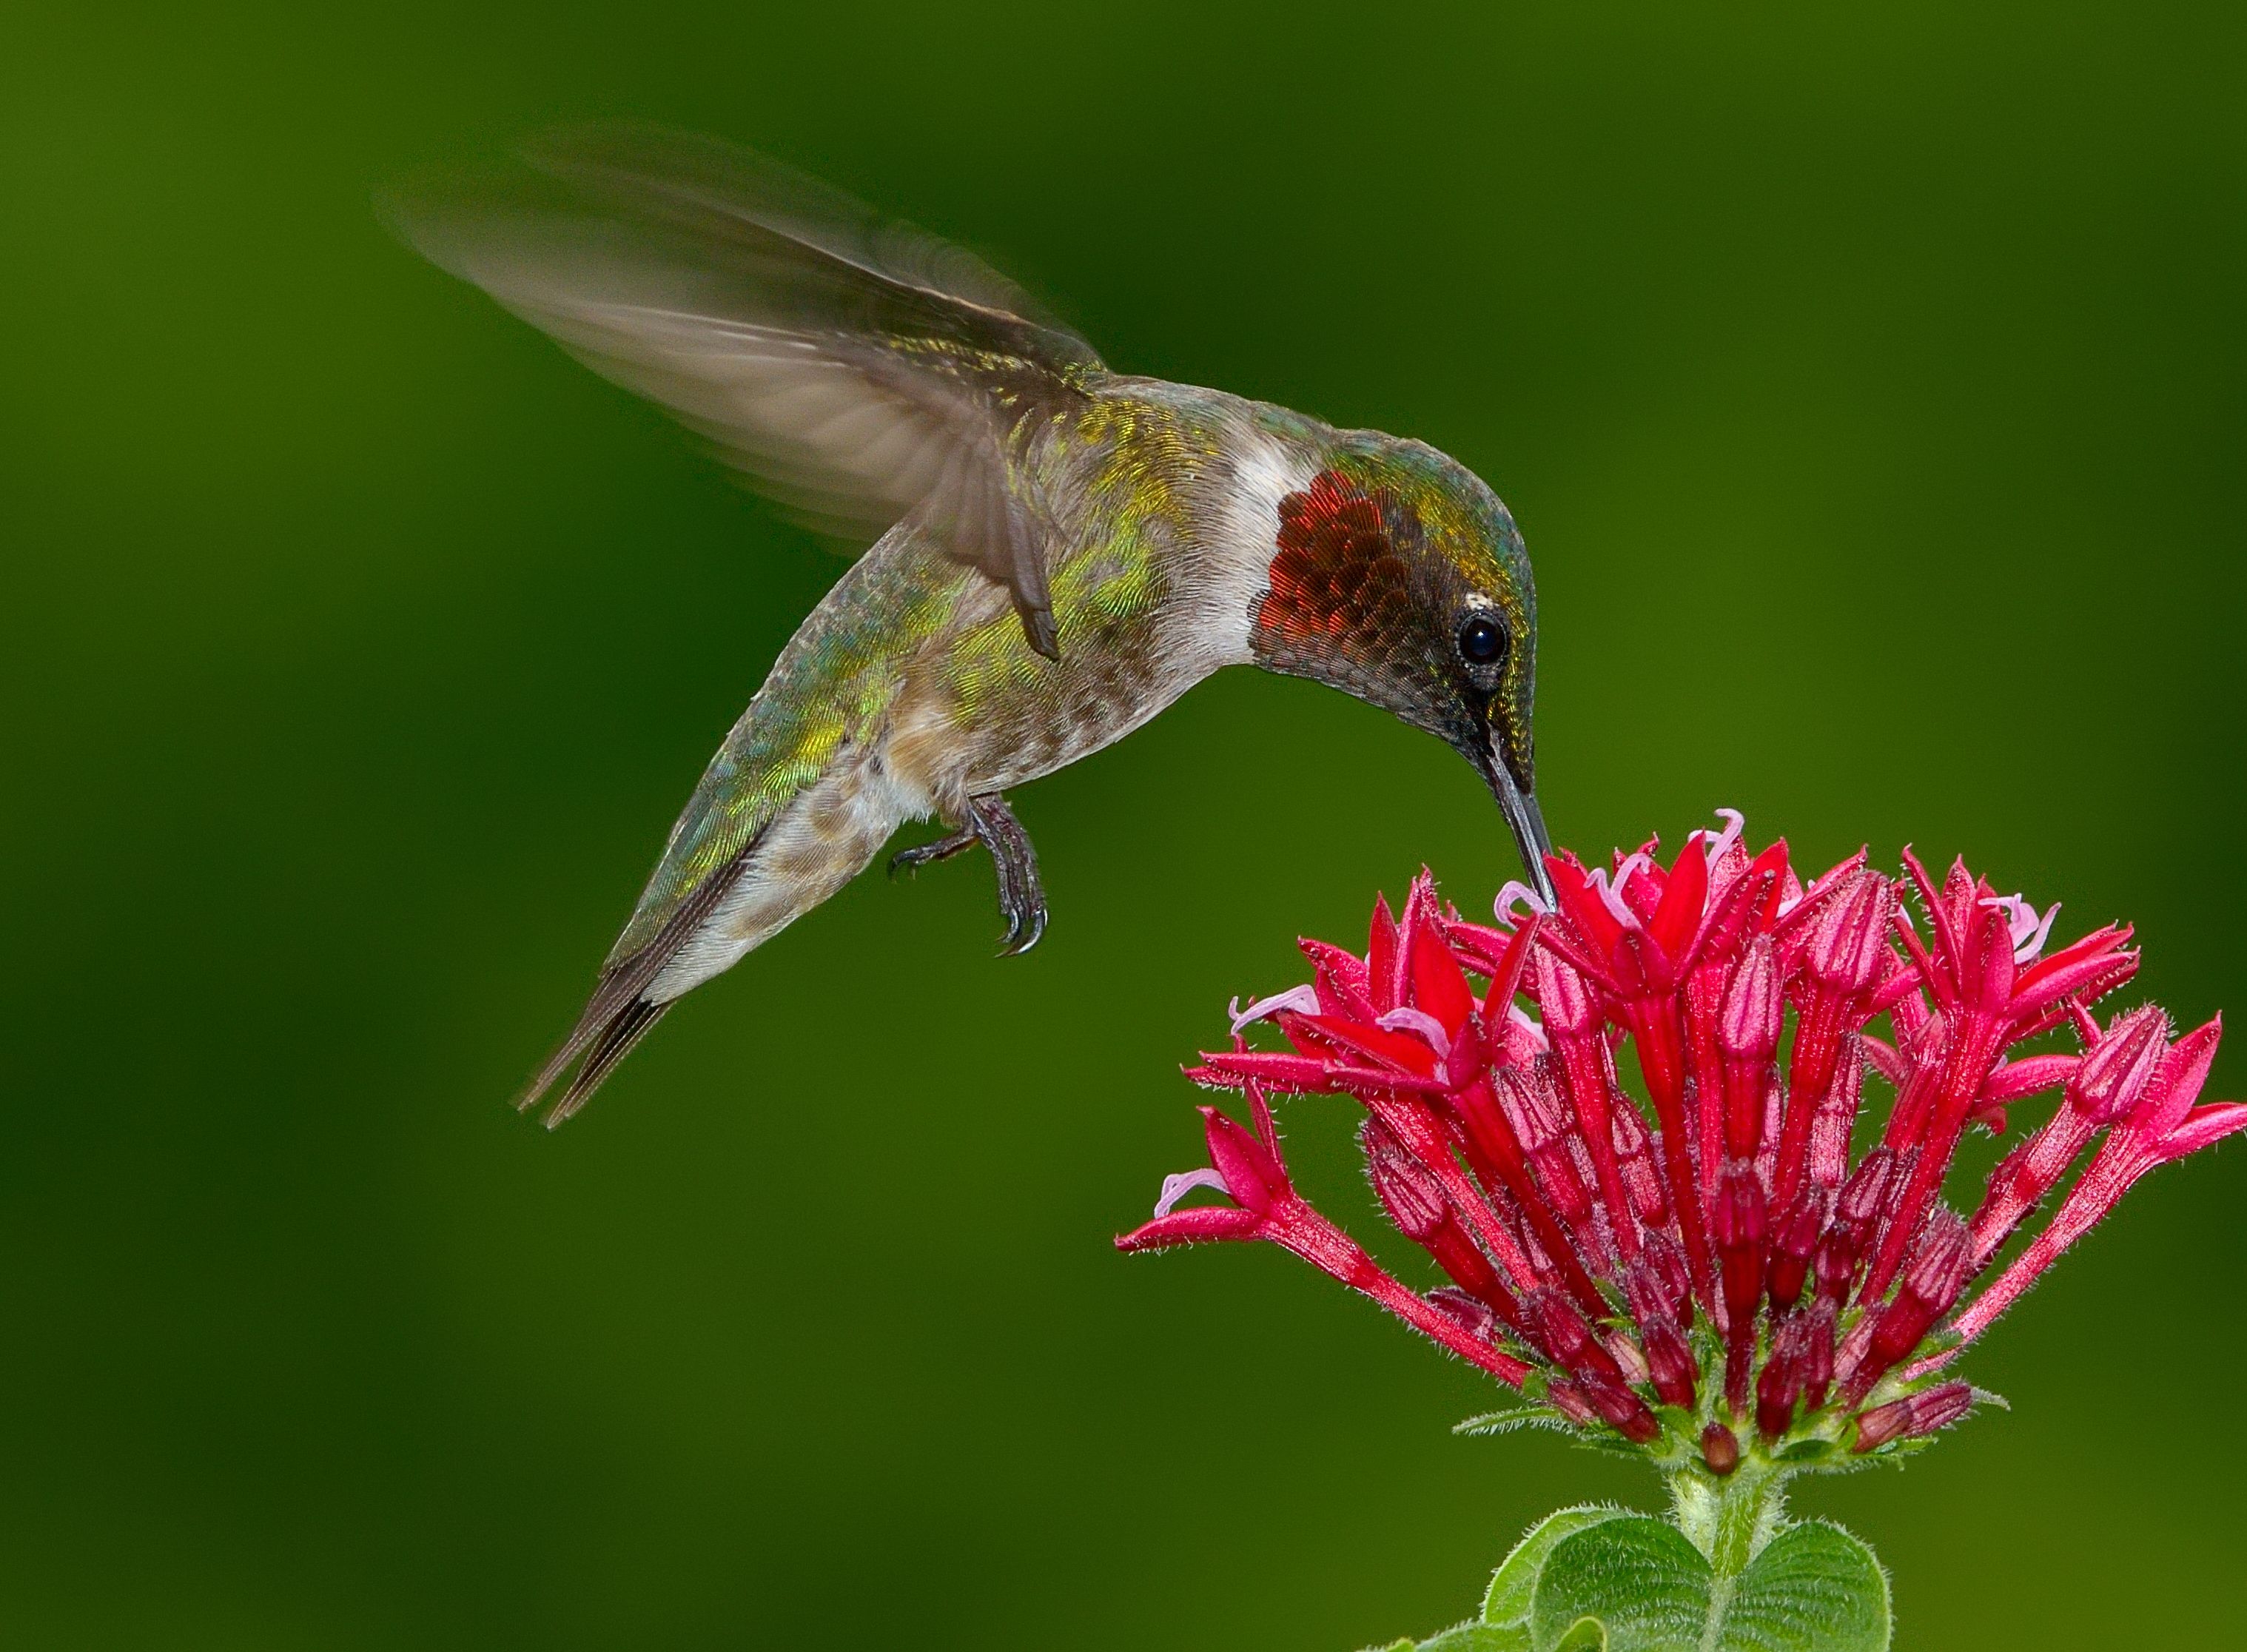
1871, 395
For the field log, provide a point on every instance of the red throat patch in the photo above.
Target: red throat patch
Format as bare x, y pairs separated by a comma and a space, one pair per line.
1341, 564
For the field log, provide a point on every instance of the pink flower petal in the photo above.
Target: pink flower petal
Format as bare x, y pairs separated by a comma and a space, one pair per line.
1418, 1020
1735, 824
1517, 893
1177, 1186
2027, 928
1304, 1001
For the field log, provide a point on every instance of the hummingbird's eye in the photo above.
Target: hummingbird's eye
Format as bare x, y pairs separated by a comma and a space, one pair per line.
1482, 641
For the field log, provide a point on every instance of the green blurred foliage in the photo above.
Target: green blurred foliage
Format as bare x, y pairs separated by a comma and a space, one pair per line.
1871, 394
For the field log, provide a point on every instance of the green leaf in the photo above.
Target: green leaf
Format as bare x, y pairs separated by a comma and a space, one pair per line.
1478, 1637
1506, 1602
1464, 1637
1814, 1588
1634, 1584
1630, 1584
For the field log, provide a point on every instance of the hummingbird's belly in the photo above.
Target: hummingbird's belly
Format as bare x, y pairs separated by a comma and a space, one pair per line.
819, 842
948, 747
982, 712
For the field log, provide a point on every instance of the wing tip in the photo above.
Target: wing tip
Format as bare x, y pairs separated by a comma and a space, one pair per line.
1039, 630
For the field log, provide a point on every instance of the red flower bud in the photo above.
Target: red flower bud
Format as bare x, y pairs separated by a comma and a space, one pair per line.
1794, 1244
1836, 1117
1857, 1214
1564, 997
1748, 1029
1742, 1244
1568, 1398
1781, 1383
1569, 1341
1720, 1449
1619, 1408
1471, 1313
1642, 1178
1666, 1257
1930, 1285
1913, 1415
1742, 1237
2117, 1068
1413, 1198
1850, 943
1818, 1353
1670, 1363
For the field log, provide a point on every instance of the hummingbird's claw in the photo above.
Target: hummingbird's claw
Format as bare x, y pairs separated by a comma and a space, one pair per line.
1021, 898
1025, 923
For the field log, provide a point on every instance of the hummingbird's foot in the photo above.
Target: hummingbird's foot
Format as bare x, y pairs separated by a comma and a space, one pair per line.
1022, 898
920, 855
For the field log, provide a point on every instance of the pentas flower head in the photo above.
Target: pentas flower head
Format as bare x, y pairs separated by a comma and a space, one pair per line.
1709, 1264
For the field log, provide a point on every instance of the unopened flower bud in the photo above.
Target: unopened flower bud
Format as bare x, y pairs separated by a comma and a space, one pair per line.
1742, 1239
1836, 1116
1564, 997
1619, 1408
1569, 1341
1642, 1180
1641, 1289
2117, 1068
1670, 1363
1937, 1272
1794, 1244
1850, 942
1748, 1028
1859, 1201
1471, 1313
1929, 1286
1407, 1189
1666, 1257
1817, 1354
1780, 1384
1913, 1415
1856, 1213
1568, 1399
1720, 1449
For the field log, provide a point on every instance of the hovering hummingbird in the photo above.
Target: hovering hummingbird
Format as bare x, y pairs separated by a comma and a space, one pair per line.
1059, 551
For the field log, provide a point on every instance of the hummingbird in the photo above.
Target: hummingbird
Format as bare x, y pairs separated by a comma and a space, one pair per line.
1058, 550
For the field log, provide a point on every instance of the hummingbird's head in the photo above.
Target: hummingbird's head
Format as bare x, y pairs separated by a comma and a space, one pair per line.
1398, 578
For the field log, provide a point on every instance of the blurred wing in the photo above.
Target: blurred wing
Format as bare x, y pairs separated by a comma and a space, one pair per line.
861, 370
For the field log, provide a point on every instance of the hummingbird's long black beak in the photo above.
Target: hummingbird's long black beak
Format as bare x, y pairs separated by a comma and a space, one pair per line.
1522, 814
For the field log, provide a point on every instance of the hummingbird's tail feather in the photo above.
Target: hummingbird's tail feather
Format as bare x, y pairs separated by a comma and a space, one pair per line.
624, 1029
620, 1011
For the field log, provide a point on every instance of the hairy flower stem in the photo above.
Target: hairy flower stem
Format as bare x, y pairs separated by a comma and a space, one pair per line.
1730, 1520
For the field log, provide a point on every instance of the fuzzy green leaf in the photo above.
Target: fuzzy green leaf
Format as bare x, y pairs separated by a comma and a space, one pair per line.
1506, 1602
1634, 1584
1814, 1588
1478, 1637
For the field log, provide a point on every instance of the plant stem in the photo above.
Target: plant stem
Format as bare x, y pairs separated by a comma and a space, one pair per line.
1730, 1520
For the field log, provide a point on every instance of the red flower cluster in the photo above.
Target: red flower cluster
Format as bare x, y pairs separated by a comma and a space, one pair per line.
1718, 1257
